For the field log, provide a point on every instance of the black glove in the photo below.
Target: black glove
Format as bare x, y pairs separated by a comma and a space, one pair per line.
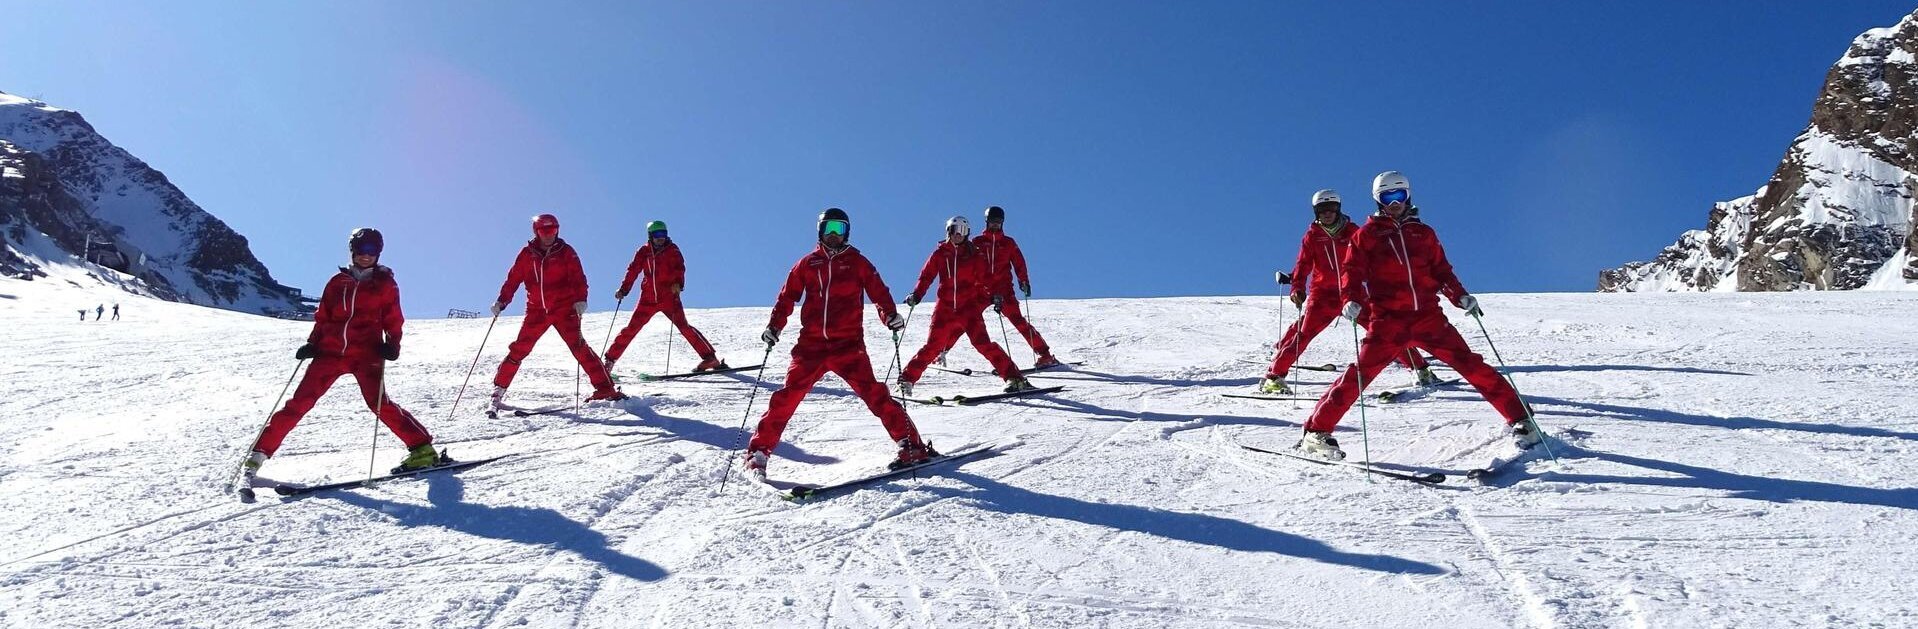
619, 294
1298, 300
390, 351
912, 300
306, 351
998, 301
1025, 287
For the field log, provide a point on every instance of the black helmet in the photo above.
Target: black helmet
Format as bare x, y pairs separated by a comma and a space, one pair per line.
365, 240
995, 214
835, 214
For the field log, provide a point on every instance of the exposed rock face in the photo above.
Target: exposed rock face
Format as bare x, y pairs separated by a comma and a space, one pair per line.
61, 182
1838, 211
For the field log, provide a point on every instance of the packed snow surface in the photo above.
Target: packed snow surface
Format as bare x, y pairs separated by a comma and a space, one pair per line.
1736, 460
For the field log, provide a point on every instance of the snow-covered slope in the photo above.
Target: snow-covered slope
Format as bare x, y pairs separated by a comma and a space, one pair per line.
1838, 211
63, 184
1738, 460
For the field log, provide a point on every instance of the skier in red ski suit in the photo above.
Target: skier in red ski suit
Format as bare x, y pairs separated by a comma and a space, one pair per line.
355, 330
1391, 278
1003, 261
961, 270
1317, 273
555, 298
665, 271
833, 281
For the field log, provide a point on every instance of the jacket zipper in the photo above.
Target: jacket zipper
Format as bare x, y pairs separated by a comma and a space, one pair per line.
539, 277
1405, 257
825, 310
352, 303
652, 273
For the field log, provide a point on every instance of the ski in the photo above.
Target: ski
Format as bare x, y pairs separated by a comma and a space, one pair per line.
646, 377
1324, 367
1030, 370
967, 400
1269, 397
800, 493
1503, 463
527, 412
1427, 478
300, 490
1403, 393
926, 401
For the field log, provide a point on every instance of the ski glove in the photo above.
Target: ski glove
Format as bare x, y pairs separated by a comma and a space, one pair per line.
390, 351
1025, 287
770, 336
912, 301
306, 351
498, 306
1282, 278
895, 322
1298, 300
998, 301
1351, 311
1470, 304
620, 294
579, 308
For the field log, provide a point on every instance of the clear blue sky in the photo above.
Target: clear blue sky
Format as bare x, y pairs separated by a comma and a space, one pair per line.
1141, 149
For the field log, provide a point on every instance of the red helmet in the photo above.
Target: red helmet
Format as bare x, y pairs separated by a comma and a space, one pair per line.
545, 223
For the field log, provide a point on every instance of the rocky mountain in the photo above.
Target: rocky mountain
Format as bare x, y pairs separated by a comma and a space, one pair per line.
70, 197
1838, 211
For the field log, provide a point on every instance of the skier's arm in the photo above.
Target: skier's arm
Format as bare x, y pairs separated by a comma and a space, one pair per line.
926, 274
323, 317
394, 320
877, 292
579, 271
1018, 259
1352, 271
675, 273
514, 277
1302, 270
632, 272
1448, 283
788, 295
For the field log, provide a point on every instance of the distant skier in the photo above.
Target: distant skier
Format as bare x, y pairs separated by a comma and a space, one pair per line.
355, 330
555, 298
83, 314
1003, 261
1391, 278
99, 311
834, 282
665, 271
963, 297
1315, 290
116, 312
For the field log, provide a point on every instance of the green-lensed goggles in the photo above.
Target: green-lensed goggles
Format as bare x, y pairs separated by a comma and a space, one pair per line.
835, 227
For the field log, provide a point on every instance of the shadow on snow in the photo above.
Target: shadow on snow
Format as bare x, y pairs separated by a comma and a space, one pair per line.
1768, 489
1615, 411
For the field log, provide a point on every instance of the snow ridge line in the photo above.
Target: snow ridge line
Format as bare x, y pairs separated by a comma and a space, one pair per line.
1536, 606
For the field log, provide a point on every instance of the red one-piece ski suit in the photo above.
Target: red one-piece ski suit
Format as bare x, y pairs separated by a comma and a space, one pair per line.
1316, 275
963, 298
665, 271
1003, 261
554, 282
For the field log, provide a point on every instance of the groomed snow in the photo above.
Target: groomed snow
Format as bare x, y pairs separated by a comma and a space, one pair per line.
1736, 460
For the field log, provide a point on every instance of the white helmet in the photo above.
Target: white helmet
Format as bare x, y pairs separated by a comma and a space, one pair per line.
1327, 195
958, 225
1388, 181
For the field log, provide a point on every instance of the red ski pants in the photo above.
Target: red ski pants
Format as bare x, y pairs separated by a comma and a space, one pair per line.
319, 377
811, 361
948, 324
1321, 309
1388, 337
1009, 306
675, 313
535, 325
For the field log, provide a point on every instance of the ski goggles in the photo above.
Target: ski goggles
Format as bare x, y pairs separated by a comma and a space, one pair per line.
366, 249
656, 234
1328, 206
834, 227
1389, 197
545, 230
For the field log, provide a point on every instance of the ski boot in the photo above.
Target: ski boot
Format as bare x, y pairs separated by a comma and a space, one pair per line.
1320, 445
421, 457
1426, 377
942, 360
905, 388
609, 370
250, 468
709, 363
1523, 435
498, 399
1045, 361
1017, 384
609, 393
1274, 385
911, 454
754, 465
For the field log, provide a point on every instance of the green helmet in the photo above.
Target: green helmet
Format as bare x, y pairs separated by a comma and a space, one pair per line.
655, 226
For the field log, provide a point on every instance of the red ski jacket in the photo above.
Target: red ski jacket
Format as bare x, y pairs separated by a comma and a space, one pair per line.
359, 309
1320, 255
665, 269
835, 285
553, 278
1395, 267
1003, 260
961, 270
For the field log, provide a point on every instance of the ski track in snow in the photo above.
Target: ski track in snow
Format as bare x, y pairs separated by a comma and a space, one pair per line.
1725, 460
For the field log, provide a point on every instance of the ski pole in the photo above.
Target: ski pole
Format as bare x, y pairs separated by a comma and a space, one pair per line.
470, 368
669, 350
1508, 380
378, 407
1358, 369
894, 365
603, 345
750, 397
232, 482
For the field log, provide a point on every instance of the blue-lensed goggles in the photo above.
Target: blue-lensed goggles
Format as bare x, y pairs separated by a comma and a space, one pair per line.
835, 227
1394, 196
367, 249
656, 234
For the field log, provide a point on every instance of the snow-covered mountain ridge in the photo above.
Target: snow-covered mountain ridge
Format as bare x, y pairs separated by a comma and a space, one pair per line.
1738, 460
69, 197
1838, 211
